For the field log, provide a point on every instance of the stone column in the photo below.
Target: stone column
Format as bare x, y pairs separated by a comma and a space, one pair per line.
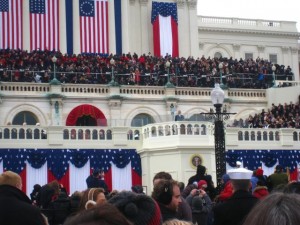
192, 12
145, 20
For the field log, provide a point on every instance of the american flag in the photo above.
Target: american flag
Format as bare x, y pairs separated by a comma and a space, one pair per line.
11, 24
44, 24
93, 26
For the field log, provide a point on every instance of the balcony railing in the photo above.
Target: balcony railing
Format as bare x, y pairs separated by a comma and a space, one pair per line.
183, 133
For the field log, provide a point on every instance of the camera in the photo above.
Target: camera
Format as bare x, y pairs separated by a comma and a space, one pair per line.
197, 192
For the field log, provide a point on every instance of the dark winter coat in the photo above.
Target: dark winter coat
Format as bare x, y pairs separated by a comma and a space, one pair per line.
16, 208
235, 209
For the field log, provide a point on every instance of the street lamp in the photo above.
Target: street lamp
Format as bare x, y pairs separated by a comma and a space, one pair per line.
217, 98
169, 84
113, 82
54, 81
273, 75
172, 109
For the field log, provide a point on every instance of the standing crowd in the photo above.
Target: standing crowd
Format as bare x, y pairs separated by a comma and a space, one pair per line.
246, 197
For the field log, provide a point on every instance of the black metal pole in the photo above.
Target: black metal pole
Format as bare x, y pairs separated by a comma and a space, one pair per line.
219, 145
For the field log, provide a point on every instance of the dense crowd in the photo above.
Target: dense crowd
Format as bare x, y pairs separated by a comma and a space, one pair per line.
132, 69
245, 197
285, 115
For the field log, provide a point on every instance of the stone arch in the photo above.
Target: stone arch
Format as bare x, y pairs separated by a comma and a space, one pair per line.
146, 110
226, 52
26, 107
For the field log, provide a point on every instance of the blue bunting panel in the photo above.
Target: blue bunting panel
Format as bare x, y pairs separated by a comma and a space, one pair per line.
58, 159
252, 159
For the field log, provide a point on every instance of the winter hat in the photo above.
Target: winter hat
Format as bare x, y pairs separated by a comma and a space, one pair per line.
201, 183
138, 208
197, 204
240, 174
225, 178
259, 172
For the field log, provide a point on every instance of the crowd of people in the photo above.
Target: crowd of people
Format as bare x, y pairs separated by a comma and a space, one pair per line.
246, 197
285, 115
132, 69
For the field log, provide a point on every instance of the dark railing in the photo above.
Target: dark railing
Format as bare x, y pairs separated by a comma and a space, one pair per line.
235, 80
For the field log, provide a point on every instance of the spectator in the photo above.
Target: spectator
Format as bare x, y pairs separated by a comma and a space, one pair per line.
276, 209
91, 197
106, 214
184, 210
236, 208
167, 195
277, 178
201, 206
137, 208
15, 206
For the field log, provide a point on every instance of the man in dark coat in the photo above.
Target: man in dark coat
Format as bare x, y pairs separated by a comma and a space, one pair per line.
15, 206
237, 207
96, 180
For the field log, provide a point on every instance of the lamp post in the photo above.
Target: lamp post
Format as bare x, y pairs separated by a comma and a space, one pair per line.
172, 109
169, 84
54, 81
217, 97
113, 82
273, 75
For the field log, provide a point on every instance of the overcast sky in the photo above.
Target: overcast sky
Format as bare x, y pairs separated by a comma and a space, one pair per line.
251, 9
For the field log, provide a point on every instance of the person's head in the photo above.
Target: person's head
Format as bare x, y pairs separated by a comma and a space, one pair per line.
225, 178
259, 172
202, 184
137, 189
137, 208
11, 178
161, 176
277, 208
278, 169
240, 178
201, 170
197, 204
293, 187
91, 197
181, 186
177, 222
55, 186
105, 214
167, 193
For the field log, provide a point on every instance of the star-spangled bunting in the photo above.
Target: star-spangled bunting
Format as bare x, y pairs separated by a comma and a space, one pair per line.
58, 159
165, 9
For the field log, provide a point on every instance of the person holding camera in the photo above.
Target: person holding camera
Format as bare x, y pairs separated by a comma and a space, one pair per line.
201, 206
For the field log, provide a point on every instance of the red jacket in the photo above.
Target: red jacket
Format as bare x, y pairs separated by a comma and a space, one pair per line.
260, 192
226, 192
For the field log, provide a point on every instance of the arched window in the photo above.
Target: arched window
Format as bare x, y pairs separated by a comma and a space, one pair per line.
197, 117
141, 120
25, 117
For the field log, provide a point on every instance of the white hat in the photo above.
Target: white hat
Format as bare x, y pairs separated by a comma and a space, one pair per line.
238, 163
240, 174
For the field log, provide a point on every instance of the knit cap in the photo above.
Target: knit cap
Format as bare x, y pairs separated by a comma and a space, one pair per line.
197, 204
140, 209
201, 183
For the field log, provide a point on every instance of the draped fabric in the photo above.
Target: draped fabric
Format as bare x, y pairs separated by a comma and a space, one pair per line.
71, 167
252, 159
86, 110
165, 28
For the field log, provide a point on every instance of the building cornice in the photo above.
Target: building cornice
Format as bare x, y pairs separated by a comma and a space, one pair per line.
273, 33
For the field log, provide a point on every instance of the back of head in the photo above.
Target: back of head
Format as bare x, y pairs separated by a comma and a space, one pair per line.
105, 214
163, 191
162, 175
139, 209
197, 204
276, 209
201, 170
11, 178
278, 169
177, 222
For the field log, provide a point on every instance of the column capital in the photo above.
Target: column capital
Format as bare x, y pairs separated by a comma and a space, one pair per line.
192, 4
180, 3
